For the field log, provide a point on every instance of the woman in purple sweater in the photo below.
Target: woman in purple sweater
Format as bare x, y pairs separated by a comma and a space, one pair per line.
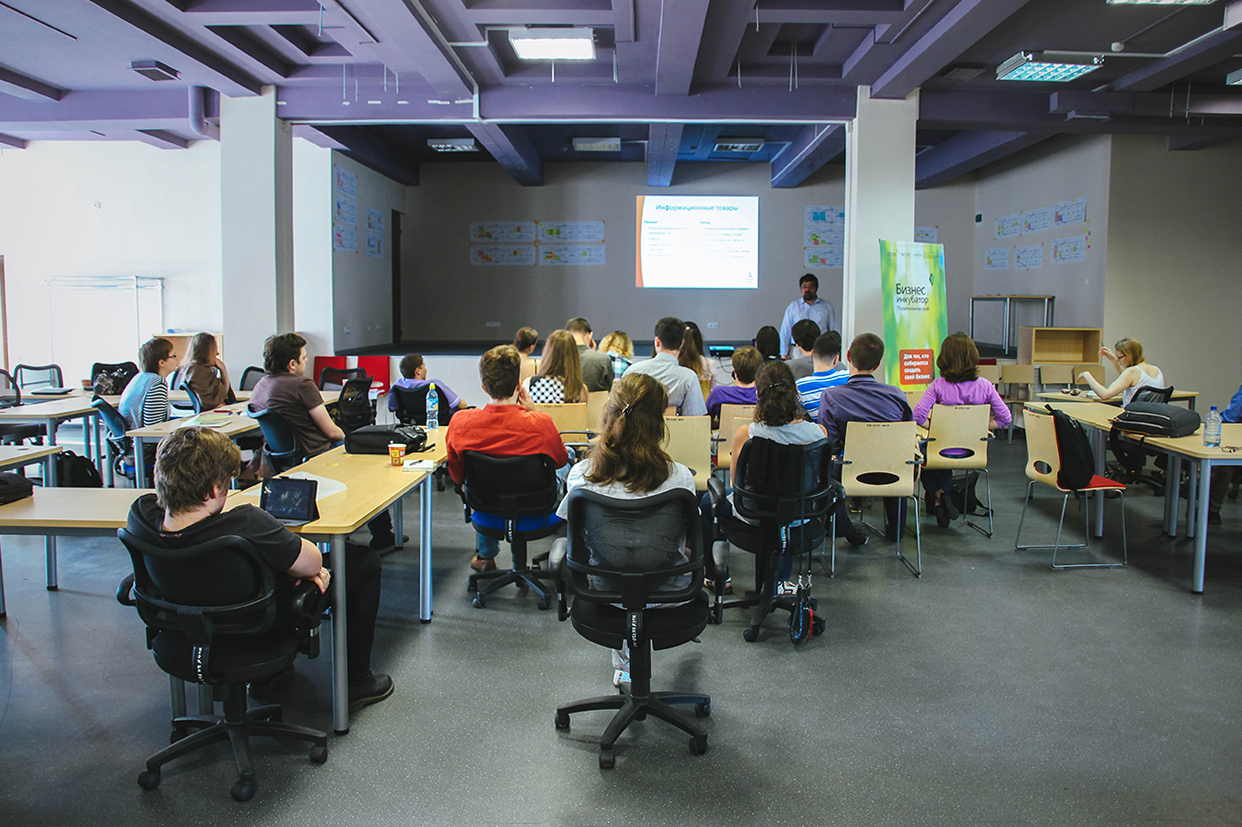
959, 383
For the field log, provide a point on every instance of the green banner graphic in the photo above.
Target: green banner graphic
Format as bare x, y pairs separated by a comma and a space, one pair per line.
915, 320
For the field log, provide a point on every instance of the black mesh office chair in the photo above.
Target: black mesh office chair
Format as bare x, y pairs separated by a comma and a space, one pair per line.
214, 616
620, 557
183, 384
335, 378
353, 406
512, 499
30, 377
250, 377
787, 492
281, 446
412, 406
11, 397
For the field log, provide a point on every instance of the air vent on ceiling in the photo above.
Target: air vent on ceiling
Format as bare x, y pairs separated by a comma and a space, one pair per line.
597, 144
738, 145
963, 72
453, 144
153, 70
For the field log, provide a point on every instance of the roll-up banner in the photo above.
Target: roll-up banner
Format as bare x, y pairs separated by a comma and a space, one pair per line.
915, 319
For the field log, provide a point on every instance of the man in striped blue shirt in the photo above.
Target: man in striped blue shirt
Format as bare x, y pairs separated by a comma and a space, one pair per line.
829, 372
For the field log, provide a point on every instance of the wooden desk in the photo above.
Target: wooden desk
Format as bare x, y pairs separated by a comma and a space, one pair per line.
1188, 397
237, 424
51, 413
17, 456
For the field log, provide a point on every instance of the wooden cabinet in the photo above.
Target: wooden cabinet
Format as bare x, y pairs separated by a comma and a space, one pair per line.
1059, 345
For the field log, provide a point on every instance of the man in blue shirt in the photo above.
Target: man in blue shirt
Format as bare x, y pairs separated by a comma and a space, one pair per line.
829, 372
810, 306
1225, 477
414, 376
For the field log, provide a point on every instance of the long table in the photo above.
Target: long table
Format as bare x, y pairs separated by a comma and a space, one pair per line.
55, 411
1188, 397
18, 456
237, 424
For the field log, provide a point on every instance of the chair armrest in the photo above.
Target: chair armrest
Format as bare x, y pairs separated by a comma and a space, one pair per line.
124, 592
308, 602
716, 488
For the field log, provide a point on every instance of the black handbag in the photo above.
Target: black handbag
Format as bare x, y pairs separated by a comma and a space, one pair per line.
14, 487
374, 439
1157, 419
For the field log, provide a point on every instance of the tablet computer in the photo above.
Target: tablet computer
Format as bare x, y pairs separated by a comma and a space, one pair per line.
50, 391
292, 502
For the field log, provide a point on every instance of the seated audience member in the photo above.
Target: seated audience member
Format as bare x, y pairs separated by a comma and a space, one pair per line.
1133, 372
286, 390
805, 332
193, 469
864, 399
620, 351
560, 373
1225, 477
768, 342
629, 463
204, 371
596, 366
414, 377
746, 360
829, 372
684, 391
525, 341
145, 399
959, 383
693, 356
506, 427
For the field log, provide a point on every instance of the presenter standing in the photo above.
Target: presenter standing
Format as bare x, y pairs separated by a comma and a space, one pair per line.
810, 306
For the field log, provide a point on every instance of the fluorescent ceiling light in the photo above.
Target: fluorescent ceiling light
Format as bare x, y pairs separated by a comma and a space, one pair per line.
553, 44
1234, 78
738, 145
453, 144
597, 144
154, 70
1024, 66
1161, 2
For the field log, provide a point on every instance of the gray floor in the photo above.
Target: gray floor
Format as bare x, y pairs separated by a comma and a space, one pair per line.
991, 691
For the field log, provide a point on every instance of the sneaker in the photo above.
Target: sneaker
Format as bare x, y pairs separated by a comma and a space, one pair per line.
370, 689
942, 516
858, 539
1213, 519
379, 542
265, 688
619, 677
949, 507
482, 564
710, 585
855, 505
786, 589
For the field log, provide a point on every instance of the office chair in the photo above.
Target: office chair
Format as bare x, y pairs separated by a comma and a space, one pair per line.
512, 499
353, 406
120, 447
39, 376
250, 377
11, 397
335, 378
631, 582
280, 443
785, 493
196, 404
213, 617
1132, 458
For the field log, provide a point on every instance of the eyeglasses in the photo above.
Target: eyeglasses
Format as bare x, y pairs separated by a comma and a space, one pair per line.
1230, 449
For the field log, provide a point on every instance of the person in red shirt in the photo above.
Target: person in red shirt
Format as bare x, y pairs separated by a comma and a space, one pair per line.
508, 426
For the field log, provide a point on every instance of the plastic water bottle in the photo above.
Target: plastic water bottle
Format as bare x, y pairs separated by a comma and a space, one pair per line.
1211, 429
433, 410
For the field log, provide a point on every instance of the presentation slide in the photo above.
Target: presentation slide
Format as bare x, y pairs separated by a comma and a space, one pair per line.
698, 241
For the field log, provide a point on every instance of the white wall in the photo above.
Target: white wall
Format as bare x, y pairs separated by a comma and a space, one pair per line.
950, 208
312, 246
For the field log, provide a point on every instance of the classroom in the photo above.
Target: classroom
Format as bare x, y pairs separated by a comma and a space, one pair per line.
284, 175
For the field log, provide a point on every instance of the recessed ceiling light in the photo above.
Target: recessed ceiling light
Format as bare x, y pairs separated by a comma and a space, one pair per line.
153, 70
552, 44
962, 72
1234, 78
1024, 66
453, 144
738, 145
597, 144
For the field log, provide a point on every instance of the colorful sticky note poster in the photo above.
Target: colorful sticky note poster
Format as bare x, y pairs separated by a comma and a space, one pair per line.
1069, 249
926, 235
818, 215
344, 181
1028, 258
1069, 212
914, 307
483, 232
824, 257
565, 232
1037, 221
502, 255
375, 245
997, 259
571, 255
375, 220
345, 210
345, 238
1009, 226
829, 236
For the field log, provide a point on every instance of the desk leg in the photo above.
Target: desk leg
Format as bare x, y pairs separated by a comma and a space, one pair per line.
49, 543
340, 643
424, 548
1171, 501
99, 452
398, 523
1201, 518
1101, 462
3, 609
176, 696
1192, 498
140, 464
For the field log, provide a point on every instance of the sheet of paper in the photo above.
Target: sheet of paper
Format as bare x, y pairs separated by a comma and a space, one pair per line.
500, 255
344, 210
1009, 226
502, 231
926, 235
571, 255
1069, 249
832, 235
1069, 212
375, 220
1037, 221
1028, 258
820, 215
345, 237
326, 487
820, 257
345, 181
997, 259
375, 245
565, 232
419, 465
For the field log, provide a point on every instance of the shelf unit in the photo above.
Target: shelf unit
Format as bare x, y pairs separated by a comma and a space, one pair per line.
1059, 345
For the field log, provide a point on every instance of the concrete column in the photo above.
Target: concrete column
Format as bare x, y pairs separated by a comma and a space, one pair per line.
256, 219
879, 196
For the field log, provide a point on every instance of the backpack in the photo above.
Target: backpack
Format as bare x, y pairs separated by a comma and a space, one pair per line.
1157, 419
112, 383
73, 471
14, 487
1074, 449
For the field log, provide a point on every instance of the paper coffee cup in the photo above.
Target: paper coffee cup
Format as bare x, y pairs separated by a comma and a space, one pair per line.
396, 452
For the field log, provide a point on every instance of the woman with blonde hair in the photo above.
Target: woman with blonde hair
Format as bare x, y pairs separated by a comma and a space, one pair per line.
620, 349
525, 340
1133, 372
205, 372
560, 372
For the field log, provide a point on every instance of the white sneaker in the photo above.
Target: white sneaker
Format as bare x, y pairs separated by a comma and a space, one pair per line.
619, 677
786, 589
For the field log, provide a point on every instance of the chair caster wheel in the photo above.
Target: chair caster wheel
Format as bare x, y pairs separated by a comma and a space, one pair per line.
818, 626
562, 720
243, 789
471, 585
698, 746
149, 779
319, 754
544, 603
479, 601
750, 635
607, 759
703, 710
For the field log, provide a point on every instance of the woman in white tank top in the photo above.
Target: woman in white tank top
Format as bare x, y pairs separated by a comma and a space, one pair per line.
1133, 372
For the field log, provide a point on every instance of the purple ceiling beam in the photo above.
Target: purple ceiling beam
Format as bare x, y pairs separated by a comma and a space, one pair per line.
623, 21
1195, 57
161, 138
251, 47
9, 140
303, 102
216, 72
681, 31
1146, 105
512, 149
963, 26
868, 61
663, 143
892, 12
368, 148
538, 16
815, 146
251, 12
968, 151
722, 36
27, 88
1190, 142
105, 111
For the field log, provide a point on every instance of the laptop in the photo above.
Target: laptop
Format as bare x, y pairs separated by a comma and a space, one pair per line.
292, 502
51, 390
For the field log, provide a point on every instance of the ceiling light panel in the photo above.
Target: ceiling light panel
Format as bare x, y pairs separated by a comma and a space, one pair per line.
553, 44
1024, 66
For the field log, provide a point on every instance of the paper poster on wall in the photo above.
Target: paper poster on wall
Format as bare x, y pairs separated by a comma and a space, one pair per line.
831, 236
1069, 212
345, 237
502, 255
1009, 226
506, 231
1028, 258
345, 210
820, 215
914, 308
1037, 221
926, 235
345, 181
375, 245
824, 257
1069, 249
375, 221
571, 255
564, 232
996, 259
